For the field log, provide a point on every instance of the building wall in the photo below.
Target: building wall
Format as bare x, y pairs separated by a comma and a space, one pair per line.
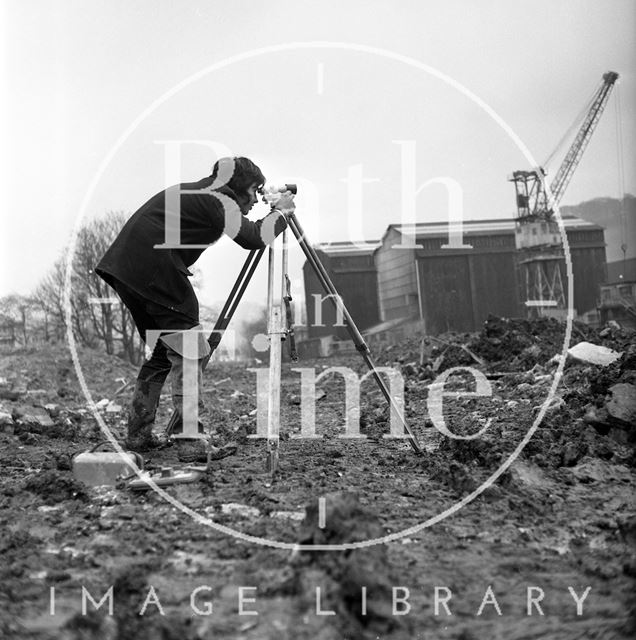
459, 288
355, 280
589, 272
397, 279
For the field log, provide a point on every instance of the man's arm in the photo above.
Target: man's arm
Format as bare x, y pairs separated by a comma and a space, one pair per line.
258, 234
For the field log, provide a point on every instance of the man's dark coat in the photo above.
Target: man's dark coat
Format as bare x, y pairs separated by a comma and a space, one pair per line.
161, 275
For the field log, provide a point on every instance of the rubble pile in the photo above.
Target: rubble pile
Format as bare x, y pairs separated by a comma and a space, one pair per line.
503, 345
590, 412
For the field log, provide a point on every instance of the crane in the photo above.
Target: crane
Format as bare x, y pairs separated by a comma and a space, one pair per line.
542, 262
532, 201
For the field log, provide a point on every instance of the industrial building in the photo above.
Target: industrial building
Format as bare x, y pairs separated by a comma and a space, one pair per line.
443, 289
353, 271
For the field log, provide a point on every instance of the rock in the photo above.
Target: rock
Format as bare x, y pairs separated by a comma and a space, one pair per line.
6, 420
34, 416
627, 527
28, 438
572, 453
409, 369
53, 409
9, 394
524, 474
595, 470
593, 354
240, 510
622, 405
596, 416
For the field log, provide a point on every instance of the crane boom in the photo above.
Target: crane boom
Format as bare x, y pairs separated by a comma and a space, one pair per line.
532, 201
573, 156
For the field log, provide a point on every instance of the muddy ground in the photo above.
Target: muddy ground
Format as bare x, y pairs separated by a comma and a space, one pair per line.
558, 525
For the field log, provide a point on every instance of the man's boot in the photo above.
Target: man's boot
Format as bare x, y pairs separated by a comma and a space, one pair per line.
191, 447
141, 416
194, 446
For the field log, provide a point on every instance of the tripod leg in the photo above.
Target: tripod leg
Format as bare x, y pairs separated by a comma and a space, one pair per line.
275, 358
231, 304
222, 322
356, 336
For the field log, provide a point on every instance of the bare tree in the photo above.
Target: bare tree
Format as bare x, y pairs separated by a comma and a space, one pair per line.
49, 296
18, 314
97, 315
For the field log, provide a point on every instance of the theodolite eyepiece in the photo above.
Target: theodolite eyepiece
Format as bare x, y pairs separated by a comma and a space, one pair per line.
272, 193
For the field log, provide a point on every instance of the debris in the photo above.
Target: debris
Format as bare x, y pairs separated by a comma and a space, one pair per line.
124, 385
8, 392
622, 405
240, 510
297, 516
6, 419
593, 354
32, 416
52, 409
527, 474
437, 363
595, 470
166, 477
53, 487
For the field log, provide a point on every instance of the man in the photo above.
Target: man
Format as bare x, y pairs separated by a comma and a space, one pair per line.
152, 281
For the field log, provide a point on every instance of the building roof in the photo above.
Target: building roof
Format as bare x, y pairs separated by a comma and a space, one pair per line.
439, 229
480, 227
355, 248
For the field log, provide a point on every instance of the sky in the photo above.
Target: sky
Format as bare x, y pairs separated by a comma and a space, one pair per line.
359, 102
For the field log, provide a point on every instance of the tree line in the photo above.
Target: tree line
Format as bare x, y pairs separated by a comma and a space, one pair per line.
98, 319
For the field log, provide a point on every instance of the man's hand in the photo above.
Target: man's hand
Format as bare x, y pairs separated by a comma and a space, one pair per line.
286, 203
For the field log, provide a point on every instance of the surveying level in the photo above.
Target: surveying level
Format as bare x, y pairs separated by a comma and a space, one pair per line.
272, 194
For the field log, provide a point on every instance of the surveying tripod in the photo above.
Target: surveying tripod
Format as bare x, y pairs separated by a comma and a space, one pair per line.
276, 329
